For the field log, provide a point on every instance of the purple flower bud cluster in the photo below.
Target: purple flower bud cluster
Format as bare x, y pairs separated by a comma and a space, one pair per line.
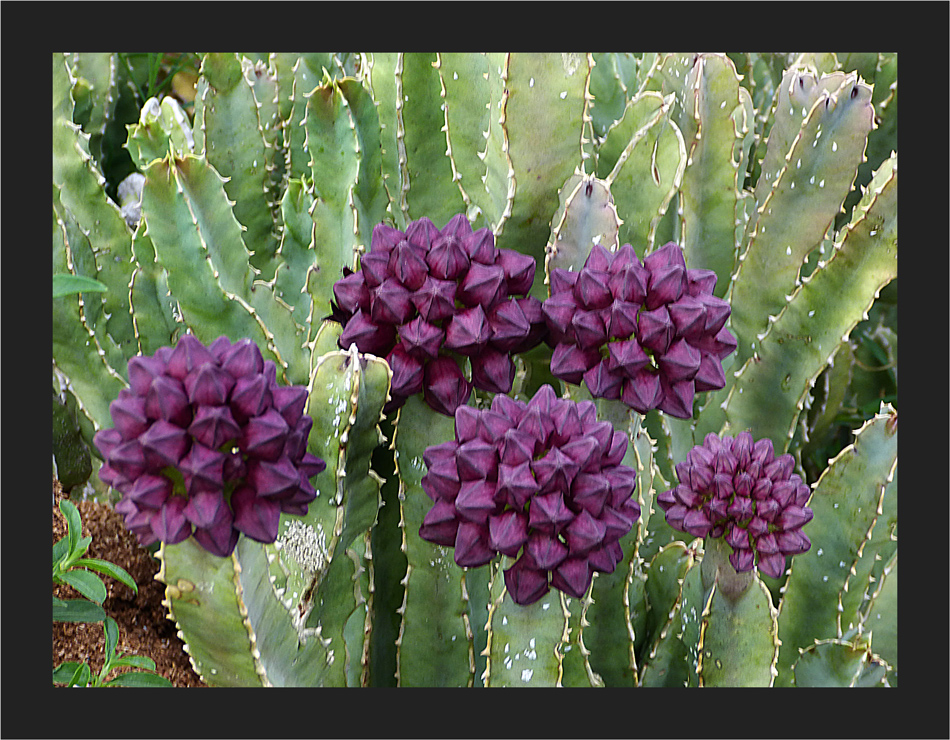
206, 443
649, 333
425, 296
541, 482
739, 490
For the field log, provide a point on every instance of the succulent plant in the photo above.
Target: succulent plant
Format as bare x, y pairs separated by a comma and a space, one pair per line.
425, 296
650, 333
207, 444
541, 482
434, 245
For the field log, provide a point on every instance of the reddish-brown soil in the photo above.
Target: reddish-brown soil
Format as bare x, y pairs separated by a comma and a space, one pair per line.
144, 628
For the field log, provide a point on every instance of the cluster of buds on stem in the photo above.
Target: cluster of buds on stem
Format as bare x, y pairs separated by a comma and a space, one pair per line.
738, 489
541, 482
651, 334
206, 443
425, 299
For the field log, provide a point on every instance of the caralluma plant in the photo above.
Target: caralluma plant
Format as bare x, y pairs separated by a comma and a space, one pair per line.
490, 369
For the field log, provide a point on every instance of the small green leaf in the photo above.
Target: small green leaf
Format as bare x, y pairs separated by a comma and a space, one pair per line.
60, 549
134, 661
66, 284
77, 610
65, 672
109, 569
134, 678
111, 628
73, 523
86, 583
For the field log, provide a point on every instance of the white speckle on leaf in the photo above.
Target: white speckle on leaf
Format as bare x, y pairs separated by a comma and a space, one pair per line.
531, 82
834, 146
526, 675
563, 95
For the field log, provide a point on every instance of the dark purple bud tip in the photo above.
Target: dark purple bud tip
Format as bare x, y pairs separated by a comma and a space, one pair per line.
351, 293
572, 577
263, 436
508, 531
208, 385
468, 331
188, 355
243, 358
447, 260
446, 388
493, 371
440, 525
169, 523
519, 270
165, 443
390, 304
256, 517
368, 336
407, 372
526, 585
407, 264
421, 339
471, 545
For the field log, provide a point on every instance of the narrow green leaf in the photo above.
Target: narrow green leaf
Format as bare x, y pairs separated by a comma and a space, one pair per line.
109, 569
77, 610
66, 284
145, 680
86, 583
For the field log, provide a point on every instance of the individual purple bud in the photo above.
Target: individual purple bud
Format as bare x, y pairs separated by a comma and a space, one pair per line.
480, 246
605, 558
447, 260
562, 281
589, 328
602, 383
202, 469
710, 375
509, 408
443, 450
468, 331
111, 477
471, 545
508, 531
519, 270
263, 436
509, 325
483, 285
272, 480
219, 346
390, 304
589, 492
794, 517
310, 465
164, 444
621, 319
584, 450
242, 359
407, 372
772, 565
779, 469
290, 401
166, 399
205, 508
251, 397
493, 371
680, 362
526, 585
655, 329
385, 237
717, 312
476, 501
569, 362
559, 311
142, 370
549, 513
407, 264
421, 340
793, 542
742, 560
629, 282
566, 423
458, 226
689, 317
187, 355
208, 385
422, 232
440, 524
435, 300
555, 471
168, 523
516, 446
476, 460
107, 440
128, 415
666, 284
697, 523
516, 484
466, 425
700, 281
256, 517
368, 336
626, 357
128, 459
442, 480
374, 267
351, 293
445, 386
677, 398
150, 491
599, 258
669, 254
573, 577
591, 290
545, 551
220, 538
642, 392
